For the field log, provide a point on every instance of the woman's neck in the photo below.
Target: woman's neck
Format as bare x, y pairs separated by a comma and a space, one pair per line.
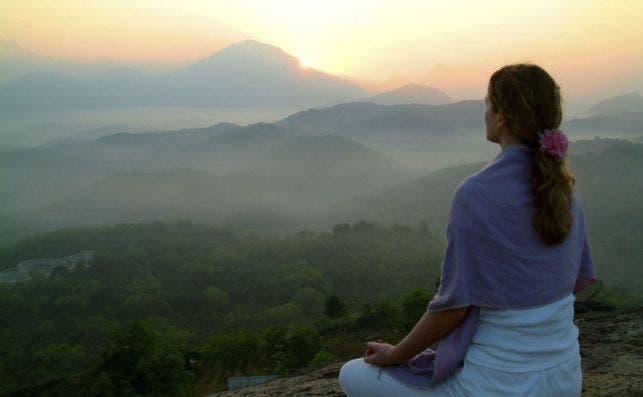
507, 140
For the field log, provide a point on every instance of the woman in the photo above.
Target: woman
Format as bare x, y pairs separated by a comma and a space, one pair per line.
516, 252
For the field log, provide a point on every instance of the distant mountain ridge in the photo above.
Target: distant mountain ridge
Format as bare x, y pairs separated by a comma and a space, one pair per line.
627, 103
462, 113
630, 123
609, 177
421, 136
412, 93
216, 173
16, 61
245, 74
614, 115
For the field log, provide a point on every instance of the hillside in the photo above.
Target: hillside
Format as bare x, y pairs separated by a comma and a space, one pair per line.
244, 74
608, 125
419, 136
412, 93
209, 174
609, 175
182, 290
626, 103
185, 306
349, 116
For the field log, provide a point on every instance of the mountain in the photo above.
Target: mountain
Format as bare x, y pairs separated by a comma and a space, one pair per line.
598, 145
11, 50
609, 175
608, 125
214, 174
328, 167
420, 136
253, 73
627, 103
223, 145
412, 93
426, 198
246, 74
16, 61
46, 91
621, 114
365, 115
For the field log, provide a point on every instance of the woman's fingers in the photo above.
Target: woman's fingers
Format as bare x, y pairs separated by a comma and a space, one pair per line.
379, 341
377, 353
371, 348
372, 358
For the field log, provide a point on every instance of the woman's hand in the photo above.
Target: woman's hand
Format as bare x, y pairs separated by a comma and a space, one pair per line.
380, 354
428, 330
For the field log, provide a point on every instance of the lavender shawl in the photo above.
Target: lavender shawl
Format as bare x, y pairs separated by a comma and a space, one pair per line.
495, 259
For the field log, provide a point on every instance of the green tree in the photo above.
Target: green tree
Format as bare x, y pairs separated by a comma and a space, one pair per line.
413, 306
274, 347
136, 362
335, 308
301, 347
285, 314
230, 353
309, 300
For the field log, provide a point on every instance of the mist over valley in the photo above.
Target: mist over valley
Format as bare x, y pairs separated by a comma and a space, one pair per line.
200, 195
394, 157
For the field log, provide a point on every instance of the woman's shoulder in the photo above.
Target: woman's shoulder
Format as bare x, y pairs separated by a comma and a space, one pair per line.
469, 187
512, 167
470, 197
504, 183
479, 183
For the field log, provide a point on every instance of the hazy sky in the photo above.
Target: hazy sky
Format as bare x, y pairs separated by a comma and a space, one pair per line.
453, 45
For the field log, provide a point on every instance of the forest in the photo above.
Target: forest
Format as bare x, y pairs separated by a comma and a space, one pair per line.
176, 308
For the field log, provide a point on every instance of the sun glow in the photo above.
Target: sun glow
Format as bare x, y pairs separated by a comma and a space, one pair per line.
442, 44
306, 62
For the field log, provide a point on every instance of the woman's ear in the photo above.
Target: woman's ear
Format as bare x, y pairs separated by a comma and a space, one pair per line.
500, 121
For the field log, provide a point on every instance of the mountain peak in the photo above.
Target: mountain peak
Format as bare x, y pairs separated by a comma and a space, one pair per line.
253, 49
121, 72
11, 49
412, 93
252, 43
626, 103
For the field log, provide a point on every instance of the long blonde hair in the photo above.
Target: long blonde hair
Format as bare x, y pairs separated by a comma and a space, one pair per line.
529, 100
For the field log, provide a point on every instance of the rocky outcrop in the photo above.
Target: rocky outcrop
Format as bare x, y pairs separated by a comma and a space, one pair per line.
611, 347
322, 382
612, 351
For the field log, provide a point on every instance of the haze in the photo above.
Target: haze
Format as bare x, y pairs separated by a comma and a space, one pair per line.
287, 116
453, 46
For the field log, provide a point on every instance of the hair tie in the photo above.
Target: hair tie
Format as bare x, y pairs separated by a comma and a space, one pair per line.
554, 142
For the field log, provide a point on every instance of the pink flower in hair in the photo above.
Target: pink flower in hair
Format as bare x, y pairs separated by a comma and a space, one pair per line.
554, 142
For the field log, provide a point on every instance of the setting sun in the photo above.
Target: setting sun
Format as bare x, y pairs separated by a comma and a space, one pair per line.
306, 62
453, 46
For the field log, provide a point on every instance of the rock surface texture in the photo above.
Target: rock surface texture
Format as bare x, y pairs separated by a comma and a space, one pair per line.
611, 347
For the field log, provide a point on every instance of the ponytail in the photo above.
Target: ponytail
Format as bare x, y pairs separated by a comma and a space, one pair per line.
554, 188
529, 99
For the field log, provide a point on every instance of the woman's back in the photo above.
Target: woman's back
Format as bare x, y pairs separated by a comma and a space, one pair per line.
495, 258
529, 352
525, 340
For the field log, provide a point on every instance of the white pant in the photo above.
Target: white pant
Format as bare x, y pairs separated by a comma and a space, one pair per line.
359, 379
